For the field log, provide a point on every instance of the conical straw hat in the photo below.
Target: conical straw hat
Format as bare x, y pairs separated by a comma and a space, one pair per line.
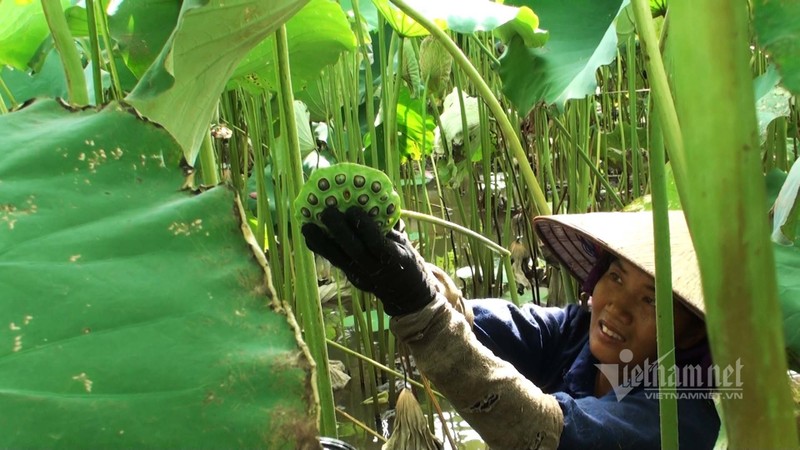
572, 239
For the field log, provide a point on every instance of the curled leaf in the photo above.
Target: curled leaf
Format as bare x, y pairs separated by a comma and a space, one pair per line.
786, 209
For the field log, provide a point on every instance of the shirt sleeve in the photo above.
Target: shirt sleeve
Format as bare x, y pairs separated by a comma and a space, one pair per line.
539, 342
633, 422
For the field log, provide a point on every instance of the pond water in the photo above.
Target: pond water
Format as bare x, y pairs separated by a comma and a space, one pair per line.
351, 400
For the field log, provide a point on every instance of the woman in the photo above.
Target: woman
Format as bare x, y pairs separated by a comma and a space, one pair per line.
533, 377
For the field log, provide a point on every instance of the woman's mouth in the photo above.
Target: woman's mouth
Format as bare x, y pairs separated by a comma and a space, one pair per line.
608, 332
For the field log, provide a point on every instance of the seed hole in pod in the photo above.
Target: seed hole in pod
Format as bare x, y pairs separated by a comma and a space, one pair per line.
340, 179
374, 211
331, 201
305, 212
359, 181
384, 197
376, 186
323, 184
346, 195
312, 199
319, 217
363, 199
390, 209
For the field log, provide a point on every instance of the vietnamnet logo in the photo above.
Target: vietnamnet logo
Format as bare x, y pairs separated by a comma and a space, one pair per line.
685, 382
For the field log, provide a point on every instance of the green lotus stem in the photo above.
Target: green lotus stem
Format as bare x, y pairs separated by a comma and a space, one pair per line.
455, 227
307, 291
62, 38
8, 94
603, 180
535, 192
368, 88
112, 66
662, 96
716, 107
208, 163
94, 46
374, 363
633, 119
360, 424
665, 332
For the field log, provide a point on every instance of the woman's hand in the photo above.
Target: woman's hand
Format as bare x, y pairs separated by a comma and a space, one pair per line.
384, 264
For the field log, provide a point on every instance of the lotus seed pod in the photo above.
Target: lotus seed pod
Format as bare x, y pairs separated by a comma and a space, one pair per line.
435, 64
344, 185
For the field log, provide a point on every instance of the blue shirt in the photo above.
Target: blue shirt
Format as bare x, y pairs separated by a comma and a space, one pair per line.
550, 347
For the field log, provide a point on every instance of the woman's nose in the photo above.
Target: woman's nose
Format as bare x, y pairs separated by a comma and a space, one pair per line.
620, 307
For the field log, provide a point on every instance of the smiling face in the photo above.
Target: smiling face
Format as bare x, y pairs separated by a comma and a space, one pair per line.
623, 314
624, 317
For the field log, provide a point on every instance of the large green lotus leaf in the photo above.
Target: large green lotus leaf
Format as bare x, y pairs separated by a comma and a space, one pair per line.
772, 100
141, 28
134, 315
22, 30
416, 136
47, 82
778, 32
181, 89
582, 38
787, 265
369, 12
316, 35
466, 16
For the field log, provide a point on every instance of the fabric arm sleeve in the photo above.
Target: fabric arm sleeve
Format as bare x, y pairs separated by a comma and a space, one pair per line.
505, 408
633, 422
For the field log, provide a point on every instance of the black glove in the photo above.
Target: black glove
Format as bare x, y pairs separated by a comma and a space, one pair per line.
384, 264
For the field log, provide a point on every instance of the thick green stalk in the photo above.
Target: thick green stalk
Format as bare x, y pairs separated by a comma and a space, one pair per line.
662, 96
389, 106
208, 163
509, 133
543, 138
668, 403
307, 292
624, 186
102, 17
62, 38
633, 117
368, 88
94, 46
729, 224
272, 234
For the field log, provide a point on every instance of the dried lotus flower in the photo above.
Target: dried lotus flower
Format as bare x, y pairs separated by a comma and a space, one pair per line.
410, 427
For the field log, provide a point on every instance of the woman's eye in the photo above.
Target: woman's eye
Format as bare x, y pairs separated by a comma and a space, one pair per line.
615, 277
649, 300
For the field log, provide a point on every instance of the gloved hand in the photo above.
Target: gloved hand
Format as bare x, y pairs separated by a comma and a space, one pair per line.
384, 264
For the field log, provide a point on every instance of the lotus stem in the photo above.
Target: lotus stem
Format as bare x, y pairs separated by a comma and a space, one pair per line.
535, 192
62, 38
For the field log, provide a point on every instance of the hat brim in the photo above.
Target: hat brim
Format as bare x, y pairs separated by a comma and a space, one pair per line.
574, 239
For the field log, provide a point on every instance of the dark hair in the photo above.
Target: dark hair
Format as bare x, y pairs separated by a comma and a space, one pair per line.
604, 260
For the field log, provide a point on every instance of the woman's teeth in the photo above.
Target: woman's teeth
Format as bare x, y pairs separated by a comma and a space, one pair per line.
610, 333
